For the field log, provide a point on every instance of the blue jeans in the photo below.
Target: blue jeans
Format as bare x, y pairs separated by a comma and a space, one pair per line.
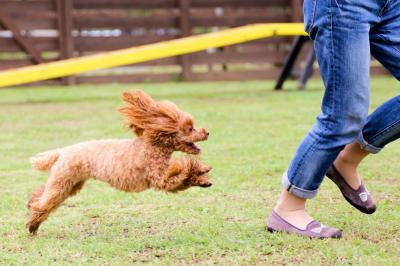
345, 34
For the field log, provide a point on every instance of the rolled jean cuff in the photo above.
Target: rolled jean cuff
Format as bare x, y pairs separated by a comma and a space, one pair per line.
299, 192
367, 146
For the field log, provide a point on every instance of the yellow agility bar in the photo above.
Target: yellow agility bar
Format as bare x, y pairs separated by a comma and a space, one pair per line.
147, 52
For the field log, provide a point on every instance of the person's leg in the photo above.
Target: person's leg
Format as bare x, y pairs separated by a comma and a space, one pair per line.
383, 125
347, 163
292, 209
343, 53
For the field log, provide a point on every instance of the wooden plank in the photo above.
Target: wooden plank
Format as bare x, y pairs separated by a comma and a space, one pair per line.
52, 82
123, 4
234, 57
110, 22
9, 45
65, 27
29, 15
235, 75
13, 63
127, 78
225, 21
159, 62
27, 5
29, 24
42, 44
274, 41
38, 18
141, 4
140, 13
231, 13
86, 43
24, 43
239, 3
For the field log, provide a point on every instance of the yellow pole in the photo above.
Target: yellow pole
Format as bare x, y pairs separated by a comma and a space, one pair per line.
148, 52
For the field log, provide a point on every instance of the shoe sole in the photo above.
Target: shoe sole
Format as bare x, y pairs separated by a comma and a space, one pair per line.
273, 231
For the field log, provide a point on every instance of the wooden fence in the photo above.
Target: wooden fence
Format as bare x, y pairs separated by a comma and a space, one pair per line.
36, 31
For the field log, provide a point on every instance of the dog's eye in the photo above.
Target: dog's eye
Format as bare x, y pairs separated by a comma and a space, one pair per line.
190, 129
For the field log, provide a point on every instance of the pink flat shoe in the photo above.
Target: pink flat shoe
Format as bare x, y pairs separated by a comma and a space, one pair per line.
313, 230
360, 198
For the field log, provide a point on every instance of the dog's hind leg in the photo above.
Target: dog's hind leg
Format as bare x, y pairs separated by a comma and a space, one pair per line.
60, 186
76, 188
35, 196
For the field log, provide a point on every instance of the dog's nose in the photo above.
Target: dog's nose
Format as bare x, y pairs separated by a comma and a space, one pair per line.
208, 134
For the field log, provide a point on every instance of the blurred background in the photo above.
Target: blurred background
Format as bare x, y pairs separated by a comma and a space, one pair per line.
37, 31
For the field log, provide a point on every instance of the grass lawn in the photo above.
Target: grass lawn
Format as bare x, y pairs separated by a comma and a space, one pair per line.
254, 133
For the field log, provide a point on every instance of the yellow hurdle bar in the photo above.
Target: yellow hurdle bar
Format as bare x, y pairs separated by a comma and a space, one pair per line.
148, 52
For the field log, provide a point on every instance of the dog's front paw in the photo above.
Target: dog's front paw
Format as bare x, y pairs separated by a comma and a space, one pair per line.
204, 169
199, 168
201, 181
198, 173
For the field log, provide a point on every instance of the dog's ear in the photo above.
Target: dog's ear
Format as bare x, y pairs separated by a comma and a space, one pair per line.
141, 113
138, 106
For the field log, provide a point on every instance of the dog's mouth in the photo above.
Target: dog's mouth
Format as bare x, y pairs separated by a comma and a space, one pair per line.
194, 149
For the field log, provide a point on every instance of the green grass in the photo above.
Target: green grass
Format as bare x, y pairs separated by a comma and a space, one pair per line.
254, 133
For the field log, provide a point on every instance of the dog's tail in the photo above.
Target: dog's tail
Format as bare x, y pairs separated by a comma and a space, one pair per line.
45, 160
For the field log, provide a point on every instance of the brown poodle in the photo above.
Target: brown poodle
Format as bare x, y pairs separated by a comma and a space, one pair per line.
126, 164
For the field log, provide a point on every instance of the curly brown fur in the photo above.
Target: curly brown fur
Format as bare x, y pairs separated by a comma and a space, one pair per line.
126, 164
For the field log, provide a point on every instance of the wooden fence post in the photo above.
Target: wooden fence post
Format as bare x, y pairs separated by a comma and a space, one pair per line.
65, 27
184, 25
297, 11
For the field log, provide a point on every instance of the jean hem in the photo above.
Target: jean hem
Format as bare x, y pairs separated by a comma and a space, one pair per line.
297, 191
367, 146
